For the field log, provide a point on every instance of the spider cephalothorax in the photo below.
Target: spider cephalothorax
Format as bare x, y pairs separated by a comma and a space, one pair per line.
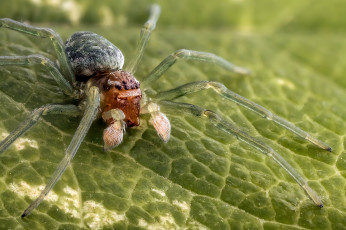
114, 94
119, 90
120, 98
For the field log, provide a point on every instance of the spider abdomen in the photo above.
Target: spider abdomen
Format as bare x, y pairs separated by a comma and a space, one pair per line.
91, 54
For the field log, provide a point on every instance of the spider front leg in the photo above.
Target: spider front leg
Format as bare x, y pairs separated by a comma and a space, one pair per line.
92, 107
32, 119
222, 124
45, 63
190, 55
144, 37
44, 33
230, 95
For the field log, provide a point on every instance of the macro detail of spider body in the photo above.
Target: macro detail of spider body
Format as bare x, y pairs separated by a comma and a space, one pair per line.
91, 69
98, 62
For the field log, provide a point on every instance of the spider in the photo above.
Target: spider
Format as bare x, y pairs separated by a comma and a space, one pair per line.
90, 69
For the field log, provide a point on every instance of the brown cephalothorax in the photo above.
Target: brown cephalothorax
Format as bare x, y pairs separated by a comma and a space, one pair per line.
120, 98
119, 90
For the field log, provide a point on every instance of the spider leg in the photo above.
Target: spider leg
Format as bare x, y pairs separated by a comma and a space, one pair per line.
230, 95
32, 119
190, 55
158, 120
144, 37
90, 113
39, 60
44, 33
219, 122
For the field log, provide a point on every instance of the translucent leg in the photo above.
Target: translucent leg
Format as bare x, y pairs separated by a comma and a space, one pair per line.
217, 121
39, 60
230, 95
144, 37
190, 55
44, 33
88, 117
35, 115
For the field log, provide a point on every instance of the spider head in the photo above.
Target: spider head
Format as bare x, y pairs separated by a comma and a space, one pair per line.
120, 90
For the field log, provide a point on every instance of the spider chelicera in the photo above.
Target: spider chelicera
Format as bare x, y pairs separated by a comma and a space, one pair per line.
90, 69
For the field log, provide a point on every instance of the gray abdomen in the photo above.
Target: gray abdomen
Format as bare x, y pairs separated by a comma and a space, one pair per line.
91, 54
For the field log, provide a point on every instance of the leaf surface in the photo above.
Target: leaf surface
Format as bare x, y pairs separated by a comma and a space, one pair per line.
202, 178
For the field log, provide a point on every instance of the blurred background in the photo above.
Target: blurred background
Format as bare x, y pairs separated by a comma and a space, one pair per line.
324, 21
307, 15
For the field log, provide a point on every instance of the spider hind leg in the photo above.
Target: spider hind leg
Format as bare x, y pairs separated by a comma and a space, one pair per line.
147, 28
222, 124
44, 33
159, 70
92, 107
242, 101
45, 63
33, 118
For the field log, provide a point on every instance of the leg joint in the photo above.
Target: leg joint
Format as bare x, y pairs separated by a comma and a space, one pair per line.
147, 26
217, 86
181, 53
38, 59
211, 115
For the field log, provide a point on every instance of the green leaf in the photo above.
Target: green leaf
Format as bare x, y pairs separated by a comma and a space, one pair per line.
202, 178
